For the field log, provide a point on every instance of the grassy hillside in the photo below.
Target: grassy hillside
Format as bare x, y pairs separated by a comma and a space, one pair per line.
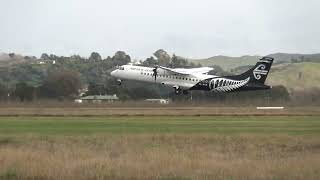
6, 60
284, 57
228, 63
296, 76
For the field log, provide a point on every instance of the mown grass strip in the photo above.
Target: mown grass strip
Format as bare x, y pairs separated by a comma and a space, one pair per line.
175, 124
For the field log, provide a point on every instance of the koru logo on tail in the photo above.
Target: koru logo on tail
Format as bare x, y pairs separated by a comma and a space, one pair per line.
259, 70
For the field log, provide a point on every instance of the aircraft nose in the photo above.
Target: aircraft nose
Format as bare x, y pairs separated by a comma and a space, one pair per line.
113, 73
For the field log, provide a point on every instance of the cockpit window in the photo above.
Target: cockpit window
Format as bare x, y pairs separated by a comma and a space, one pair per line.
121, 68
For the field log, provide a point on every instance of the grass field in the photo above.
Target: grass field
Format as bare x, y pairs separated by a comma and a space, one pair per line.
175, 124
160, 147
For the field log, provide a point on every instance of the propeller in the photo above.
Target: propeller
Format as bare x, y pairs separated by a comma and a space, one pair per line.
155, 73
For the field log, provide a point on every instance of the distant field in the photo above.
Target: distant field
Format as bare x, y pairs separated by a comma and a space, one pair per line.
160, 147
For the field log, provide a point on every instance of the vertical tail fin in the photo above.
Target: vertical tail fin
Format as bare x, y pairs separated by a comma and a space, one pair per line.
258, 74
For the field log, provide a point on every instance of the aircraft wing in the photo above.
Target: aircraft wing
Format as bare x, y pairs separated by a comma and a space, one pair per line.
201, 70
174, 84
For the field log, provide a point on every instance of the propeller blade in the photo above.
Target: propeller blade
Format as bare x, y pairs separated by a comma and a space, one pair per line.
155, 73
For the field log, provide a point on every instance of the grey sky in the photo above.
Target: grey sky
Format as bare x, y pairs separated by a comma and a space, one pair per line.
195, 29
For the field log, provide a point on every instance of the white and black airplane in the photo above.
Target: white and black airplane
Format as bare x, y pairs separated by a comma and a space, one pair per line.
184, 80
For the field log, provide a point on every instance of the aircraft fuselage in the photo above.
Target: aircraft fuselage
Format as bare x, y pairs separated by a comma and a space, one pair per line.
193, 79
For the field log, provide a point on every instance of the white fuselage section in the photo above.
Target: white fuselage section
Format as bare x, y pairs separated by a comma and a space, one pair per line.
146, 74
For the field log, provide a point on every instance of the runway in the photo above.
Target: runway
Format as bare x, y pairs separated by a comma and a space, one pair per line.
157, 111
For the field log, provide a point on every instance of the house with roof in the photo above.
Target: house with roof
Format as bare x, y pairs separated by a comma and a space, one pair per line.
98, 99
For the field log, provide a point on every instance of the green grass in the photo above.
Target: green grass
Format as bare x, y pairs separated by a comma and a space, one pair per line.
145, 124
155, 147
228, 63
288, 75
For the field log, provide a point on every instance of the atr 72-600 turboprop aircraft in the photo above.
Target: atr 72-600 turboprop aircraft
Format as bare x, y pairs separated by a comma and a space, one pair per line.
184, 80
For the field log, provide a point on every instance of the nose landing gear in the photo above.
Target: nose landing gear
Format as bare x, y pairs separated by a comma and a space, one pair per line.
177, 90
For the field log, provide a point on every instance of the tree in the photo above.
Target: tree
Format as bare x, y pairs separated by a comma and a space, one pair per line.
150, 62
61, 84
24, 92
76, 57
279, 93
95, 57
163, 57
120, 58
96, 89
53, 57
44, 56
11, 55
178, 62
27, 58
3, 92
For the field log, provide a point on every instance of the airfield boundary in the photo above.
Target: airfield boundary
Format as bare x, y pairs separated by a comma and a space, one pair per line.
157, 111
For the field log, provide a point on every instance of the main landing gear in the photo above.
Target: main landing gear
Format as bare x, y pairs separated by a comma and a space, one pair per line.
178, 91
119, 82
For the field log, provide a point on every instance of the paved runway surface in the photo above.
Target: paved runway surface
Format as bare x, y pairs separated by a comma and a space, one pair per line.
156, 111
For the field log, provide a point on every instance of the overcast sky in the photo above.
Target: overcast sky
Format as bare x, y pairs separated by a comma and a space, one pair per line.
194, 29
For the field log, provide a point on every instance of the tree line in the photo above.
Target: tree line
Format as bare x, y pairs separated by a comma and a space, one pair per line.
69, 75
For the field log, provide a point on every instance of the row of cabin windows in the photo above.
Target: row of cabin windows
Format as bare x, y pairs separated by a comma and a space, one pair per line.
171, 77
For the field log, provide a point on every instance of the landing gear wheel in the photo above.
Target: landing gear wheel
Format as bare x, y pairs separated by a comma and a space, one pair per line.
177, 91
119, 82
185, 92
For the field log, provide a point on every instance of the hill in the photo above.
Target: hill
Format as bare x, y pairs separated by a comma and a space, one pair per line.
4, 57
285, 58
228, 63
297, 76
10, 59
